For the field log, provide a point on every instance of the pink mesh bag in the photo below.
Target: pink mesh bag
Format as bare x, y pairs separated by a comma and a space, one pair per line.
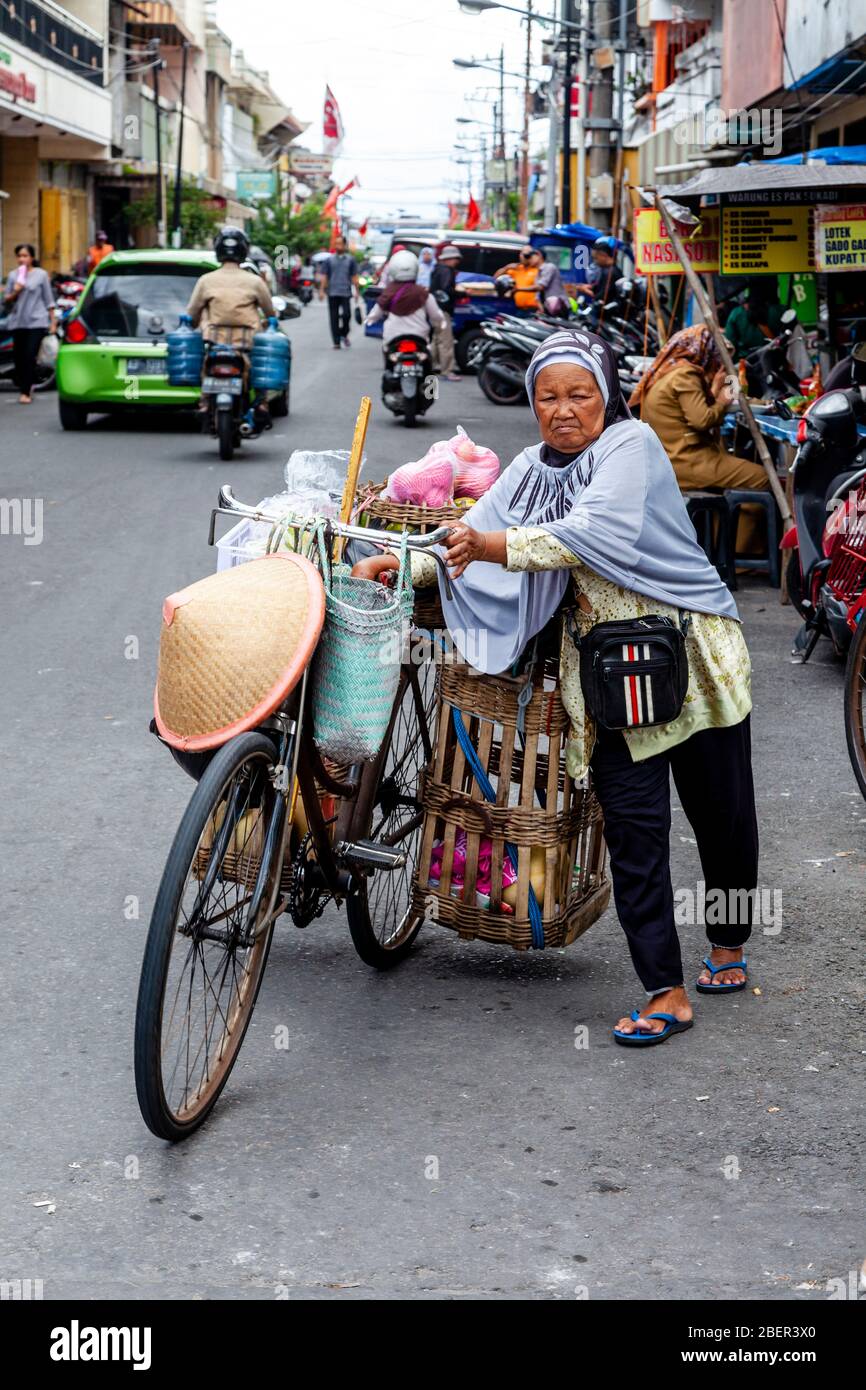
476, 468
450, 468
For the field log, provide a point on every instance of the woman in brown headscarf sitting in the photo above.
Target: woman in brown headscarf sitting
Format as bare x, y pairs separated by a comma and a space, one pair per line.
684, 397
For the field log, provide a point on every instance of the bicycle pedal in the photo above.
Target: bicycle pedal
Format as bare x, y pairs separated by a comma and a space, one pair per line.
371, 855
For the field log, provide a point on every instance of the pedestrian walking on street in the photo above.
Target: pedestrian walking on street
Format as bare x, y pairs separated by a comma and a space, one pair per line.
31, 304
597, 502
339, 282
443, 285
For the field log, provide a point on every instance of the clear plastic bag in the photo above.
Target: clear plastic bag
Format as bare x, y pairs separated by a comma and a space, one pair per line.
314, 482
48, 348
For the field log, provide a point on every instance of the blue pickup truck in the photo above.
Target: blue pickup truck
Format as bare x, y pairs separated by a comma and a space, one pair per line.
484, 255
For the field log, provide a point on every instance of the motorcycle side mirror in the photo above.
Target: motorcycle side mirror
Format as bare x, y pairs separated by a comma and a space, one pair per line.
783, 410
789, 318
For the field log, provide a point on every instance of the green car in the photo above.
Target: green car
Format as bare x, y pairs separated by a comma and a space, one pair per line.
113, 356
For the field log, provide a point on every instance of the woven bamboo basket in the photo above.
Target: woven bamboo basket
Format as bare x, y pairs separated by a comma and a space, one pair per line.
242, 865
538, 806
372, 509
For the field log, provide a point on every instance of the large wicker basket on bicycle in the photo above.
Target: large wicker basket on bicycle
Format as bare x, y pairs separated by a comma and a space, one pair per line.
537, 807
372, 509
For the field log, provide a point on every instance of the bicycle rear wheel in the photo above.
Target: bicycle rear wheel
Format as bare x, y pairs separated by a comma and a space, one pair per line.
208, 941
381, 918
855, 704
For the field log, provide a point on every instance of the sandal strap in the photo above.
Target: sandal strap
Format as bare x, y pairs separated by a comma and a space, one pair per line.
731, 965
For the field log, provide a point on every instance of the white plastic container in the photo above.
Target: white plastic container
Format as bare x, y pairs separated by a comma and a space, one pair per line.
246, 541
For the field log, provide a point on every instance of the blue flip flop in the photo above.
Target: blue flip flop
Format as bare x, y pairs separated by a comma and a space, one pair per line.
717, 969
673, 1025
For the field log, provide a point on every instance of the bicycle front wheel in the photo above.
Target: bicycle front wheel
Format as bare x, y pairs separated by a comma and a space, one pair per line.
209, 938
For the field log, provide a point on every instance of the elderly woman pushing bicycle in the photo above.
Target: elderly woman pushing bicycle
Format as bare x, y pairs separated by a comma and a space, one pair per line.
654, 668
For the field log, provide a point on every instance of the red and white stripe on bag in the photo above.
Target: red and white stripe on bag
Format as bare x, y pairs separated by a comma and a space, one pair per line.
638, 689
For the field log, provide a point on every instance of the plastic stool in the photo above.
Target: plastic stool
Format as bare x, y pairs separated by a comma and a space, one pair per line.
705, 509
771, 566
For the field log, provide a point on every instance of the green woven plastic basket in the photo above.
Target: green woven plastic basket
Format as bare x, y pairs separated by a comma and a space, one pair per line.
356, 669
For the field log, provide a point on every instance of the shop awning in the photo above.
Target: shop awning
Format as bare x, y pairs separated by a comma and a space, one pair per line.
833, 154
161, 21
766, 177
840, 75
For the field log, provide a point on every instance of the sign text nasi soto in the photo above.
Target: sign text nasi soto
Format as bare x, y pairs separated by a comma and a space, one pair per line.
654, 254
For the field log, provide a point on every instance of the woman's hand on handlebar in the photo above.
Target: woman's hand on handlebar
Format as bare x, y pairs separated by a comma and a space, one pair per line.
373, 565
463, 545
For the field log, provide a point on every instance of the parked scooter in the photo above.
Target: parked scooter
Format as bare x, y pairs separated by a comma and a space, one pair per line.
827, 469
409, 385
768, 369
502, 355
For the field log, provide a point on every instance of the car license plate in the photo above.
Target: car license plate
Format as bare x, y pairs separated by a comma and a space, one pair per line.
407, 369
146, 366
231, 384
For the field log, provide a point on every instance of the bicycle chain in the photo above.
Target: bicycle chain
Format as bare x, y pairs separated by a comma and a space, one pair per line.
304, 907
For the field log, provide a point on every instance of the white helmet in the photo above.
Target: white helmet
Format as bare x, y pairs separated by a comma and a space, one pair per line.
403, 266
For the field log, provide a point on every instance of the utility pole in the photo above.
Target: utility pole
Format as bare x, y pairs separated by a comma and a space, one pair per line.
602, 106
552, 149
177, 235
582, 102
523, 216
160, 215
567, 13
620, 112
503, 197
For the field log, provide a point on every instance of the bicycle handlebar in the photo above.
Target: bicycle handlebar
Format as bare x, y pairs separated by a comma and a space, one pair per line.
228, 505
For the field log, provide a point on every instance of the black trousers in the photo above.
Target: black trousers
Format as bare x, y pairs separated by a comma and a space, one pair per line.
25, 347
712, 771
339, 308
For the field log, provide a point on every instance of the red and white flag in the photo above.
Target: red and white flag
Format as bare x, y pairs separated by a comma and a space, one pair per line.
332, 124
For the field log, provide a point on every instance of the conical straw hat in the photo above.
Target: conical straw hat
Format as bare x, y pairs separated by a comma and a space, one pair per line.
233, 646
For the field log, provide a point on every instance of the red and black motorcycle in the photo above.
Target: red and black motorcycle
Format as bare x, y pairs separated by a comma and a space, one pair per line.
828, 468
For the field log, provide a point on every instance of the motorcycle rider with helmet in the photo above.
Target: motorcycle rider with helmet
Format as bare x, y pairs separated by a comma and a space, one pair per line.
408, 308
233, 301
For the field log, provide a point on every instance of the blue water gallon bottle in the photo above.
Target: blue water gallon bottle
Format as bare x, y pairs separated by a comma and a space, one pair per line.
185, 354
269, 364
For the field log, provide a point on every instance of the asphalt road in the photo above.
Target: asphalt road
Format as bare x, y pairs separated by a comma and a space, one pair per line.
728, 1164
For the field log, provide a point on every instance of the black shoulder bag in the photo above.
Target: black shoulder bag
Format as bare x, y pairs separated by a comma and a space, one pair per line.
635, 672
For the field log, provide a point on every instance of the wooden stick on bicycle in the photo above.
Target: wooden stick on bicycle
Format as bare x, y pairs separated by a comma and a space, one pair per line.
354, 468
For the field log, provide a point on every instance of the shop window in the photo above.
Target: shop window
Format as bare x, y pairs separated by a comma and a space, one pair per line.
672, 39
855, 132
